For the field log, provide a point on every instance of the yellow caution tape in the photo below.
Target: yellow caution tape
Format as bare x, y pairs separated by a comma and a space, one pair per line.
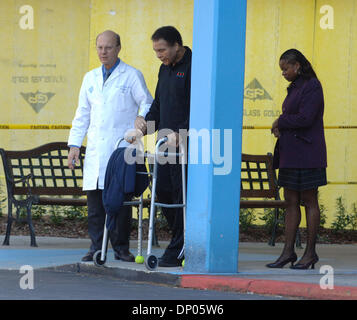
35, 126
342, 182
341, 127
257, 127
326, 127
67, 126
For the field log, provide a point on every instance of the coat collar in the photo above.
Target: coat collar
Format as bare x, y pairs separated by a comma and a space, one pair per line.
297, 83
111, 69
186, 57
117, 71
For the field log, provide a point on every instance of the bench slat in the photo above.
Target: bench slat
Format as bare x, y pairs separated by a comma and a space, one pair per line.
51, 191
61, 201
263, 204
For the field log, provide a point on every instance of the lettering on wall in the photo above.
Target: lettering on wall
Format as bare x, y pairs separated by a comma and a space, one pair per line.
327, 20
36, 99
267, 113
26, 22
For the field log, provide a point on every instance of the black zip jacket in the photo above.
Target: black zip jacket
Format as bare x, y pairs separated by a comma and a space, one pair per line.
171, 106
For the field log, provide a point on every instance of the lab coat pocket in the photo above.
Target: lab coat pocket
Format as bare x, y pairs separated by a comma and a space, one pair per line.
121, 99
123, 89
94, 96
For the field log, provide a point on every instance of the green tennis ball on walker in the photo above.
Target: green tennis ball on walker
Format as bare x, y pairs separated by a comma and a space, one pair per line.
183, 262
139, 259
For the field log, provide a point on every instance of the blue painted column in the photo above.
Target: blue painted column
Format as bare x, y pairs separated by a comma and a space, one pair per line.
213, 193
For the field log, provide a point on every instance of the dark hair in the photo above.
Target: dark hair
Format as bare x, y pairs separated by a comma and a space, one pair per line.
292, 56
169, 34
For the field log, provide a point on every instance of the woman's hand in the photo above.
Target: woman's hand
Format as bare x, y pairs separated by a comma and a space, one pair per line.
275, 132
274, 129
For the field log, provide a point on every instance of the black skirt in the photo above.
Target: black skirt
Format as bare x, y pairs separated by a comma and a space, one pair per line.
302, 179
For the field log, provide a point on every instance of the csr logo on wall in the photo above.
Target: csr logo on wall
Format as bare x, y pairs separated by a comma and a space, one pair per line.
255, 91
38, 99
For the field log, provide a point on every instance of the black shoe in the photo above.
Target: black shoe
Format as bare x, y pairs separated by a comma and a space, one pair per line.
305, 266
88, 257
124, 255
282, 263
168, 263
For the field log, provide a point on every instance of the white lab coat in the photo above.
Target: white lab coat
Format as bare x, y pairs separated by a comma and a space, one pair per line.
105, 113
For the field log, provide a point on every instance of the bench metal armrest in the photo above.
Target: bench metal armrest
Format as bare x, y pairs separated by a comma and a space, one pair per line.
25, 180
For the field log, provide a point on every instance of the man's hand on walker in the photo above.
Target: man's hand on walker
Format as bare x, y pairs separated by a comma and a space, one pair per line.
133, 135
174, 139
140, 124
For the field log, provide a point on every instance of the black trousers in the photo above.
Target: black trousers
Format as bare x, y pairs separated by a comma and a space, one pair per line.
169, 191
119, 237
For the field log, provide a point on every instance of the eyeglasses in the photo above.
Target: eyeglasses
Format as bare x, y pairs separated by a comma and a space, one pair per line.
104, 48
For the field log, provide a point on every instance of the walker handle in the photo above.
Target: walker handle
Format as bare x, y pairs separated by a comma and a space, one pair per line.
123, 139
118, 143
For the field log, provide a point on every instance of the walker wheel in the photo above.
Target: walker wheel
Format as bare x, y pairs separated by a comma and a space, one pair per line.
151, 262
97, 258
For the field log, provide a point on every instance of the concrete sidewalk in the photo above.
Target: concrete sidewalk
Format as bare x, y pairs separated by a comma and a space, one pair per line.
64, 254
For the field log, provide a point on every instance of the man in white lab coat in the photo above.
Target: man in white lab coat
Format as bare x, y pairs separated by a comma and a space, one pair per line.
110, 99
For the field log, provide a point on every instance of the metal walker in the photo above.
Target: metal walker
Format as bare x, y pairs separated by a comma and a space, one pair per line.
151, 261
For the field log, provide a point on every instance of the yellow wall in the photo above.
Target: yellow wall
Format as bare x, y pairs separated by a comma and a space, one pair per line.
335, 57
62, 46
50, 58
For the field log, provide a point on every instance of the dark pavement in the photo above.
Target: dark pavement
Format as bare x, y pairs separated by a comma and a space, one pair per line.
56, 285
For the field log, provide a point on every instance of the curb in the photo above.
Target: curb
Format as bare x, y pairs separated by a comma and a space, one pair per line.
121, 273
221, 283
270, 287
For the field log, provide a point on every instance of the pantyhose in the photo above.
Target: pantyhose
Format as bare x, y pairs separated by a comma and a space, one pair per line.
309, 200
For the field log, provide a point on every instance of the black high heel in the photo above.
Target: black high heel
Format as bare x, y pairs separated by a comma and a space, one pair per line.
305, 266
281, 264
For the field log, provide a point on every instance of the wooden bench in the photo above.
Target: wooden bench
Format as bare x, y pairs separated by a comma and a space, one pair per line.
258, 181
40, 176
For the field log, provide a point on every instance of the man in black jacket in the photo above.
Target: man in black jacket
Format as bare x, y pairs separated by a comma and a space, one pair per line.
170, 110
